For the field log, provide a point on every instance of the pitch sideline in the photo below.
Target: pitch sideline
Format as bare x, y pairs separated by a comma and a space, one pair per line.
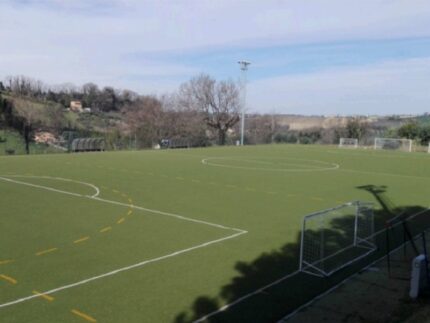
238, 233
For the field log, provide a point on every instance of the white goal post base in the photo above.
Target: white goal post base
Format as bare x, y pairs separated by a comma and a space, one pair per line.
335, 238
348, 143
393, 144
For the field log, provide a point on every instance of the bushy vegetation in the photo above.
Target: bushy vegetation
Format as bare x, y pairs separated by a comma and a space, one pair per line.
203, 112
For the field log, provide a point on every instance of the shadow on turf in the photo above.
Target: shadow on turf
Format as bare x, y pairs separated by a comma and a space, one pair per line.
275, 302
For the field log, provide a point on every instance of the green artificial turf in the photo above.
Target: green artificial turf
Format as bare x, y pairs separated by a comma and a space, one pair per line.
263, 190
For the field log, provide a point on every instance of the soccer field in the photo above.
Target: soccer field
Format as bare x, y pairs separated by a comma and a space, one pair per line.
173, 235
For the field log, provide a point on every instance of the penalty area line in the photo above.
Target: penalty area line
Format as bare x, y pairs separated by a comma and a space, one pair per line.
131, 206
123, 269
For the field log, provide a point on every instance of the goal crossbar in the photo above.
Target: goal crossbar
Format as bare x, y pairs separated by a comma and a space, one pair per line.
393, 144
348, 143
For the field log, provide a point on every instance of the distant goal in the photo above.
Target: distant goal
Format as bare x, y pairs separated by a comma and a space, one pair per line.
335, 238
348, 143
393, 144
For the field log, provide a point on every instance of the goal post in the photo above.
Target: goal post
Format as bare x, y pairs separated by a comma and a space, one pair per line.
335, 238
393, 144
348, 143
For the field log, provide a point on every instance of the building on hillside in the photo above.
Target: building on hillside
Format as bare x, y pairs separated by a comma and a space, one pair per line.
76, 106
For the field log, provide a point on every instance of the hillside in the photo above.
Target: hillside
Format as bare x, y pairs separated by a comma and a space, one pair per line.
298, 122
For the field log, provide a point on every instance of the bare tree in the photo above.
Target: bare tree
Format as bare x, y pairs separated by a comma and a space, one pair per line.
145, 119
25, 86
218, 102
28, 116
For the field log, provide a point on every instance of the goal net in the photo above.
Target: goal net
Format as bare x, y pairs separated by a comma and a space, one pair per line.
348, 143
393, 144
333, 239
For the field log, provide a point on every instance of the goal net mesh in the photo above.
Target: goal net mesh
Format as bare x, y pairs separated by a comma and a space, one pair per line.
334, 238
348, 143
393, 144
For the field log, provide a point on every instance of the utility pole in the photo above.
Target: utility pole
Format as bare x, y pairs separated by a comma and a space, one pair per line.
244, 68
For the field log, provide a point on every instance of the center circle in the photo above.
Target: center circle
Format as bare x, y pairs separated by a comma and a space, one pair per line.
280, 164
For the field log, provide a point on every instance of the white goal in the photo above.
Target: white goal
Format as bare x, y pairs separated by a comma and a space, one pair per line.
393, 144
348, 143
335, 238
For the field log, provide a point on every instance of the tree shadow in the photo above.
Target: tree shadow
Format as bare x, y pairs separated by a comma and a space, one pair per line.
263, 291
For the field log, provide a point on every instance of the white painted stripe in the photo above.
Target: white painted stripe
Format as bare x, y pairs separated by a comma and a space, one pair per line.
40, 186
316, 298
50, 188
261, 289
177, 216
119, 270
241, 299
328, 166
384, 174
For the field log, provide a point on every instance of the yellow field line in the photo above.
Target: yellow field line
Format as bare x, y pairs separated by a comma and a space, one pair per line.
8, 261
115, 191
120, 220
9, 279
124, 195
130, 201
317, 198
46, 251
129, 212
44, 296
81, 240
105, 229
84, 316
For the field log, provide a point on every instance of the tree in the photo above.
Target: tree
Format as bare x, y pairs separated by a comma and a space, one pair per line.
55, 117
410, 130
218, 102
145, 119
90, 93
27, 116
356, 128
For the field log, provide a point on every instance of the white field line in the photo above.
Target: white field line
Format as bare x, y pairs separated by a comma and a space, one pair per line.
119, 270
241, 299
56, 178
332, 166
177, 216
140, 264
40, 186
384, 174
316, 298
279, 280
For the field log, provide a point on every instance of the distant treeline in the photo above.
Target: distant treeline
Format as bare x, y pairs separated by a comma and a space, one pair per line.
201, 112
103, 99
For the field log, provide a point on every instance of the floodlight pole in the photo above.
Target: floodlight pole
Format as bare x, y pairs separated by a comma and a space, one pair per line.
244, 68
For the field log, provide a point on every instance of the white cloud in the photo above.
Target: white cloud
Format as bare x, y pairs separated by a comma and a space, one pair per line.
82, 40
387, 88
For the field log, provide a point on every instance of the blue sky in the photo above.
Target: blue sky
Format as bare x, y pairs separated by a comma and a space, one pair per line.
308, 57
